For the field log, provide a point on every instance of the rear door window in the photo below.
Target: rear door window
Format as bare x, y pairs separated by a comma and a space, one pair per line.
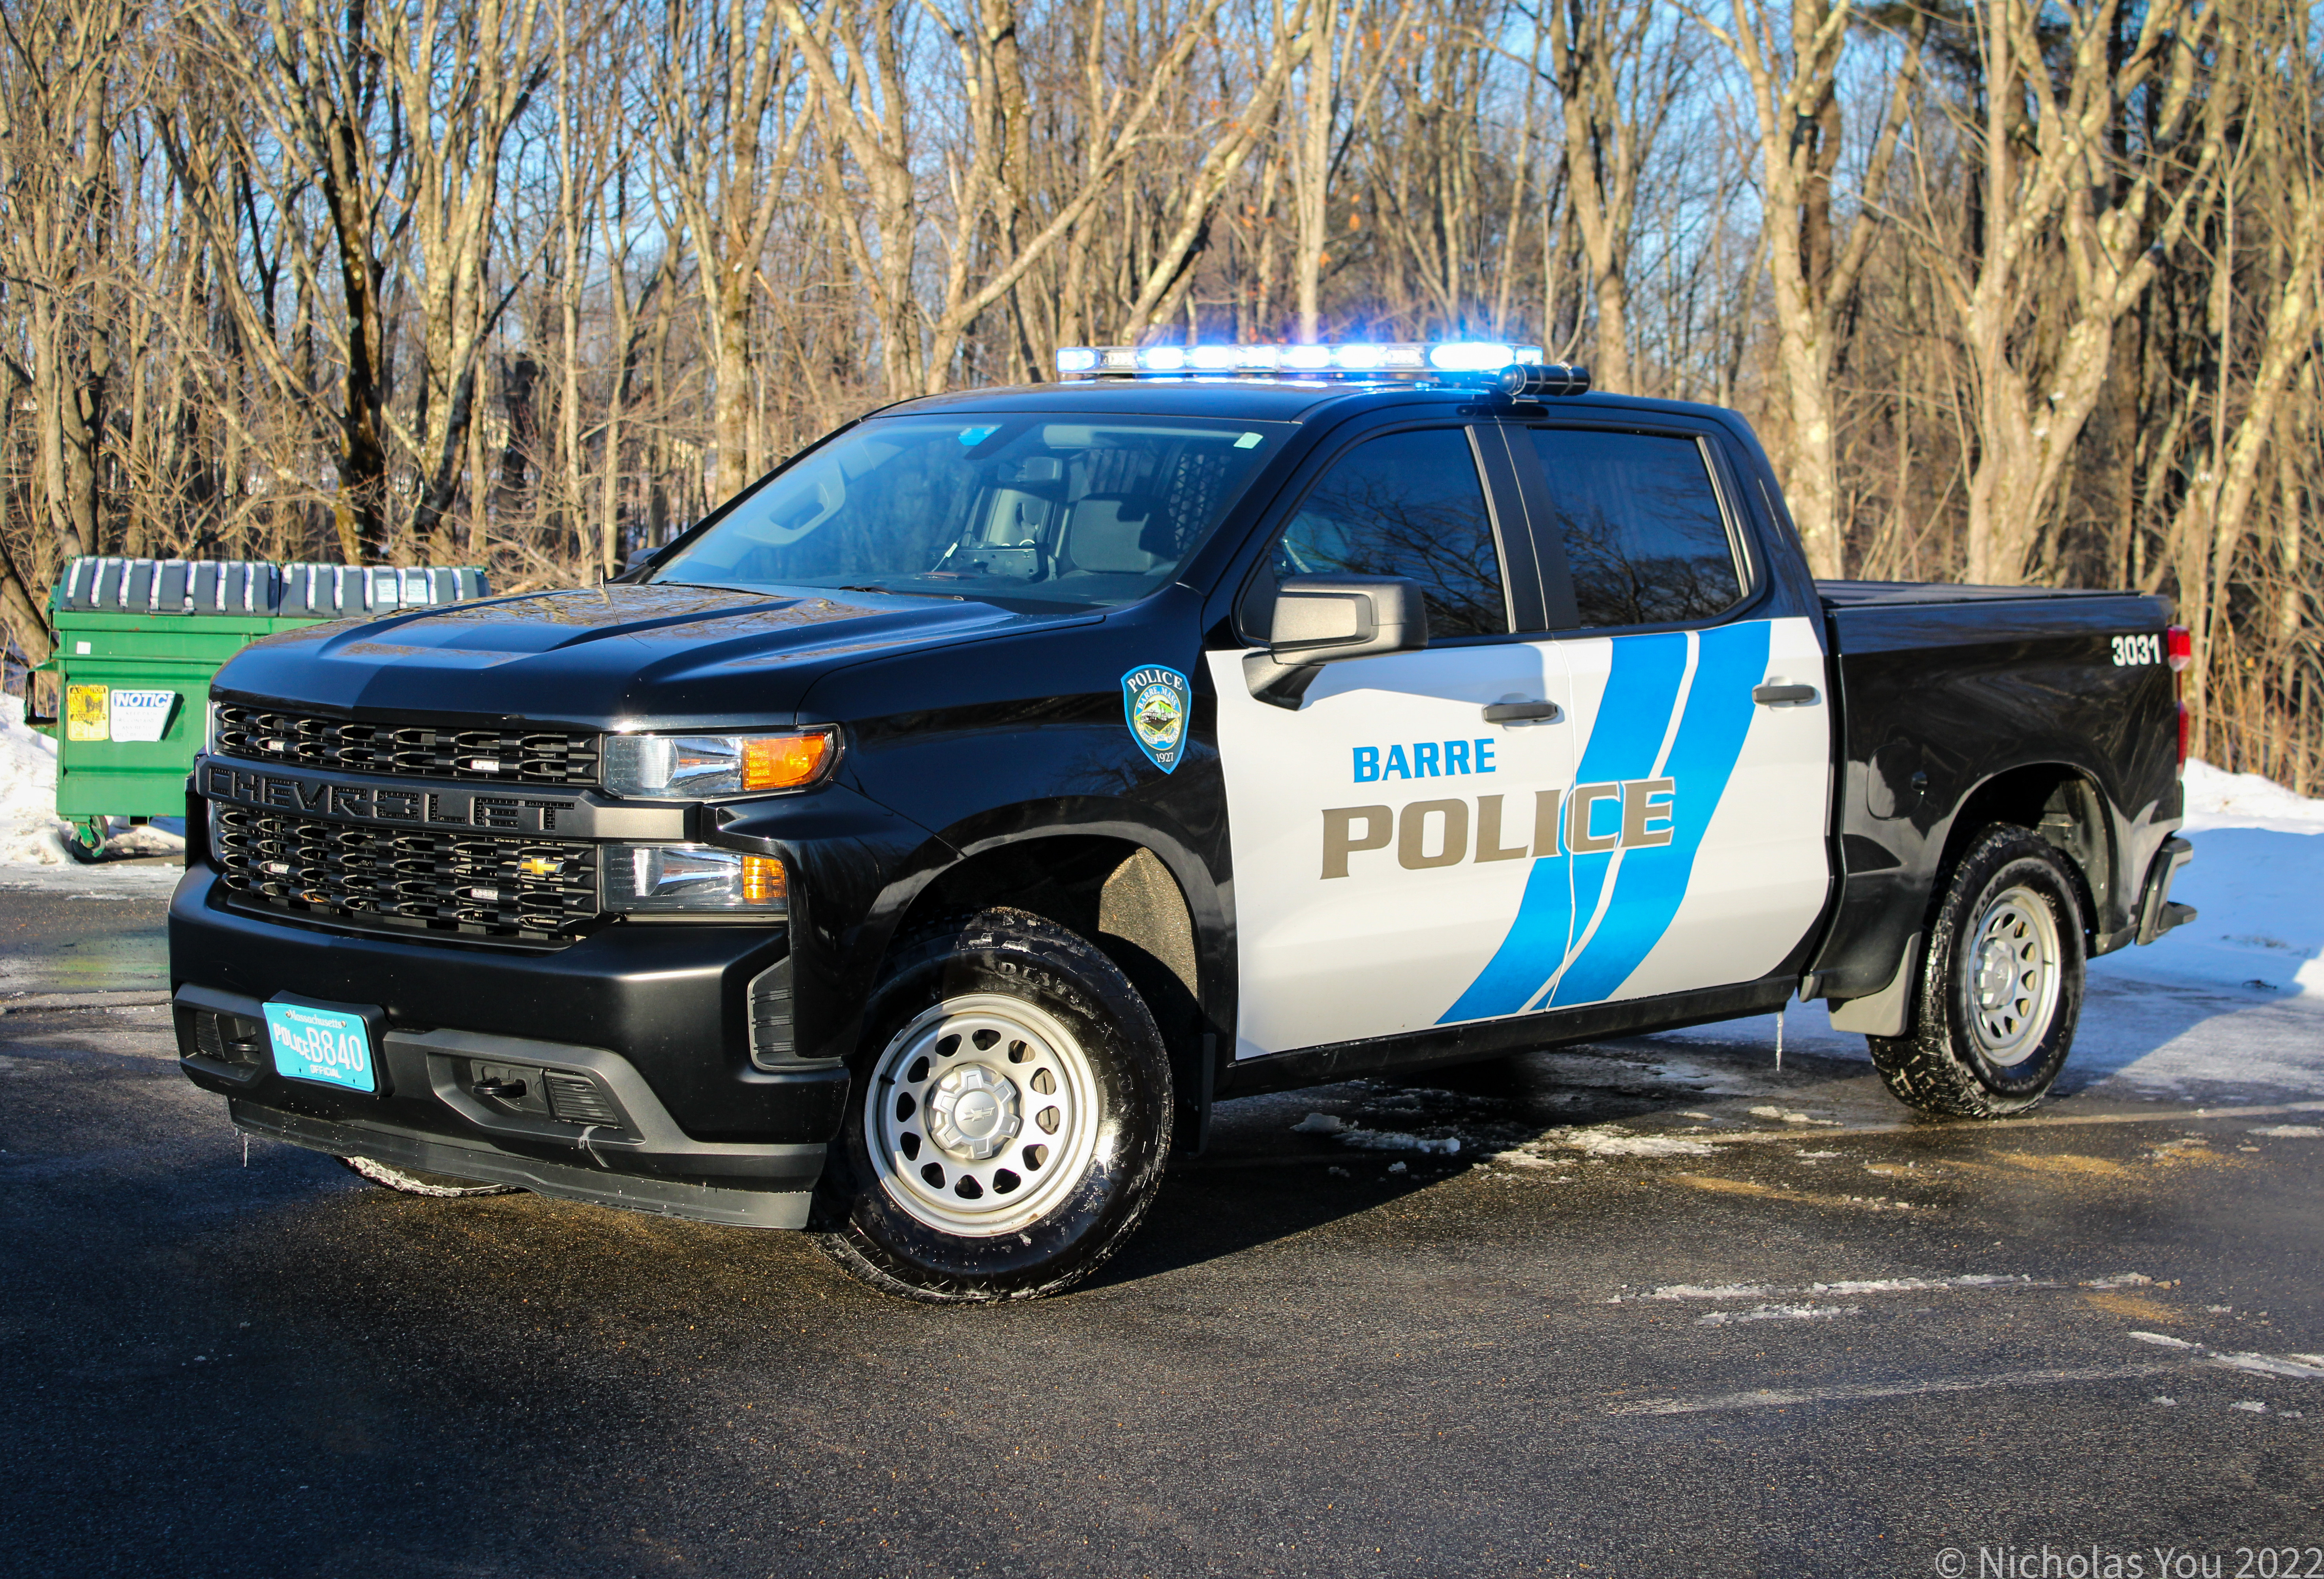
1637, 518
1405, 504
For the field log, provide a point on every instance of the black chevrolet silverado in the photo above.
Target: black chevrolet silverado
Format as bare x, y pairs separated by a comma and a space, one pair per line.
916, 850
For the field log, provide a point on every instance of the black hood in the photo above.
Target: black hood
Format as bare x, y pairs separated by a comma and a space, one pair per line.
691, 656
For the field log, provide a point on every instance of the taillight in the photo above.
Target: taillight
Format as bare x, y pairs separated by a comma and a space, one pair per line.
2178, 643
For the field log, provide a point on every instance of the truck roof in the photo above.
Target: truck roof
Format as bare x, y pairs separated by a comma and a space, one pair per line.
1277, 400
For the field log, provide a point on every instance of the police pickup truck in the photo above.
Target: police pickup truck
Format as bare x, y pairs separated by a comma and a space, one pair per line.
917, 849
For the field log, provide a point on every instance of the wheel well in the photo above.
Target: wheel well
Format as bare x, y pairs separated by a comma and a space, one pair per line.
2064, 807
1114, 892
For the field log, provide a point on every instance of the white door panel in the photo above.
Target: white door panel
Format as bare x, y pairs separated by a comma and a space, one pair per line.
1699, 858
1382, 834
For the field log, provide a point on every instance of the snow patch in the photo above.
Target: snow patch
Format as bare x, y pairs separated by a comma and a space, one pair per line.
2269, 1366
1778, 1313
1521, 1158
1777, 1113
1609, 1140
2292, 1132
1845, 1288
1320, 1124
1390, 1140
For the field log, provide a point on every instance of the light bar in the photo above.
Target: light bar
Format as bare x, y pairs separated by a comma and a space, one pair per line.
1402, 359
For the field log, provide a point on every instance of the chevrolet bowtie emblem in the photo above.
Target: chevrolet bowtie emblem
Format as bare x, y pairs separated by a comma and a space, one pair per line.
539, 866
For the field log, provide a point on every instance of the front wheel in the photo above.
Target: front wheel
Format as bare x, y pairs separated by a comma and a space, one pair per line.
2001, 989
1010, 1121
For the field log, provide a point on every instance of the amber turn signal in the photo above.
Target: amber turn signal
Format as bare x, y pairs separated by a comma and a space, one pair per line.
762, 880
775, 762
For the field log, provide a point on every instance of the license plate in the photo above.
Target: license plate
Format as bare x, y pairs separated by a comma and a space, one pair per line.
328, 1046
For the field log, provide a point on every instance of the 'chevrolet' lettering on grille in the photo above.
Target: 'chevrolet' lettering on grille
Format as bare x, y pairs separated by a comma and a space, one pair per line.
363, 802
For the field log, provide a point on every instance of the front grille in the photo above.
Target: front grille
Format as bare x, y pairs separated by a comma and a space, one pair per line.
494, 756
443, 882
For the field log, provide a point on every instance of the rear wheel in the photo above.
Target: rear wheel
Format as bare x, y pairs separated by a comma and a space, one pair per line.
1010, 1119
412, 1181
2001, 989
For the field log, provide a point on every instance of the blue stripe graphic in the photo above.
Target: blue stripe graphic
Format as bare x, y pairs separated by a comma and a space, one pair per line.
1633, 716
1653, 881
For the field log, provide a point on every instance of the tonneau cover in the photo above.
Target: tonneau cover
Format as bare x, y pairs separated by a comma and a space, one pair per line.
1859, 594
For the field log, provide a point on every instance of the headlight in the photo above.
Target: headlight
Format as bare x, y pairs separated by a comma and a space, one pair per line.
693, 876
210, 732
694, 768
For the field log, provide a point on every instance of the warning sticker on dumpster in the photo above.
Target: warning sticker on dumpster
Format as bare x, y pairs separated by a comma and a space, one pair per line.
84, 713
141, 715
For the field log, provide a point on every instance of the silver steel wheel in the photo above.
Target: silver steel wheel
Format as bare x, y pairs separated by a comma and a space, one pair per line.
2013, 976
982, 1115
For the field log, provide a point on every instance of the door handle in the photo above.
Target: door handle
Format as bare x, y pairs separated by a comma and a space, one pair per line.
1510, 712
1777, 695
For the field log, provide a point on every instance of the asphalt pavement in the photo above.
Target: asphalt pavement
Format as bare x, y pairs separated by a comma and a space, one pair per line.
1665, 1311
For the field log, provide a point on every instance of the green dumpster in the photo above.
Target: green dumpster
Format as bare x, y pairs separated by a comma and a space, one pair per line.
138, 641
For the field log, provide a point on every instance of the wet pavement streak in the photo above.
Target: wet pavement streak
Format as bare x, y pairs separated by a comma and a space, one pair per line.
1664, 1310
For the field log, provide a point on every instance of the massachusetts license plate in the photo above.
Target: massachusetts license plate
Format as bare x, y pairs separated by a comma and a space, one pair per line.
330, 1046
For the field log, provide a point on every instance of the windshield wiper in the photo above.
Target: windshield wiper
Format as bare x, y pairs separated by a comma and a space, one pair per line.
904, 592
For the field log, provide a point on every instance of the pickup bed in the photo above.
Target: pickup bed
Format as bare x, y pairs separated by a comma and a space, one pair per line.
915, 850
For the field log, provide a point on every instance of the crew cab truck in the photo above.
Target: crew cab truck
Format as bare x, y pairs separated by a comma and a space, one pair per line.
915, 851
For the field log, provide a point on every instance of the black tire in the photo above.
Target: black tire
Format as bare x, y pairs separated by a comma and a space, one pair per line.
2001, 987
1077, 1083
412, 1181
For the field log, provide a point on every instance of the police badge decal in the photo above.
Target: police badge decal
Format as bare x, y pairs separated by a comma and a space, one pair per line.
1156, 701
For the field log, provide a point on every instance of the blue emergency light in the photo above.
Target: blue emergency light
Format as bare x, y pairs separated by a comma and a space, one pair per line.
1515, 370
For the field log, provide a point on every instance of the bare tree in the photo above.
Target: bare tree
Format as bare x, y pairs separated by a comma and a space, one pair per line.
1618, 75
1797, 119
59, 114
2057, 184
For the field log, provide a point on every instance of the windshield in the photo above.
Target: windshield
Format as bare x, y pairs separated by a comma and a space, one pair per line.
1052, 509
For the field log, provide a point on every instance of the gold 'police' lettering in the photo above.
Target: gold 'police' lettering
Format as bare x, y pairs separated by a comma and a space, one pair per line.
1428, 834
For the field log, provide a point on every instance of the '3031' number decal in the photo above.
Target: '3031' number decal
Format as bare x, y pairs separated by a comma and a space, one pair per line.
2137, 649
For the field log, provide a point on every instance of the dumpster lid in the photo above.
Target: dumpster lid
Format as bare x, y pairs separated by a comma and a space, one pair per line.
106, 584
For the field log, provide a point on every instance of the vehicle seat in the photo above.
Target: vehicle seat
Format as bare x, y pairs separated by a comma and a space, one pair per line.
1118, 534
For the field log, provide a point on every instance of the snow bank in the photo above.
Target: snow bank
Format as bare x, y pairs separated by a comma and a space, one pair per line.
30, 834
2245, 799
33, 837
2255, 884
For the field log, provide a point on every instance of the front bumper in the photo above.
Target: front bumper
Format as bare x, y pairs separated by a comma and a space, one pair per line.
644, 1027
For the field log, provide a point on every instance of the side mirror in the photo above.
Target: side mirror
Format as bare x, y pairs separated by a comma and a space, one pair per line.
1325, 619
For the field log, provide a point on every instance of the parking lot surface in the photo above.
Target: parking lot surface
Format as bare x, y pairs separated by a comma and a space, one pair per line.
1650, 1307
